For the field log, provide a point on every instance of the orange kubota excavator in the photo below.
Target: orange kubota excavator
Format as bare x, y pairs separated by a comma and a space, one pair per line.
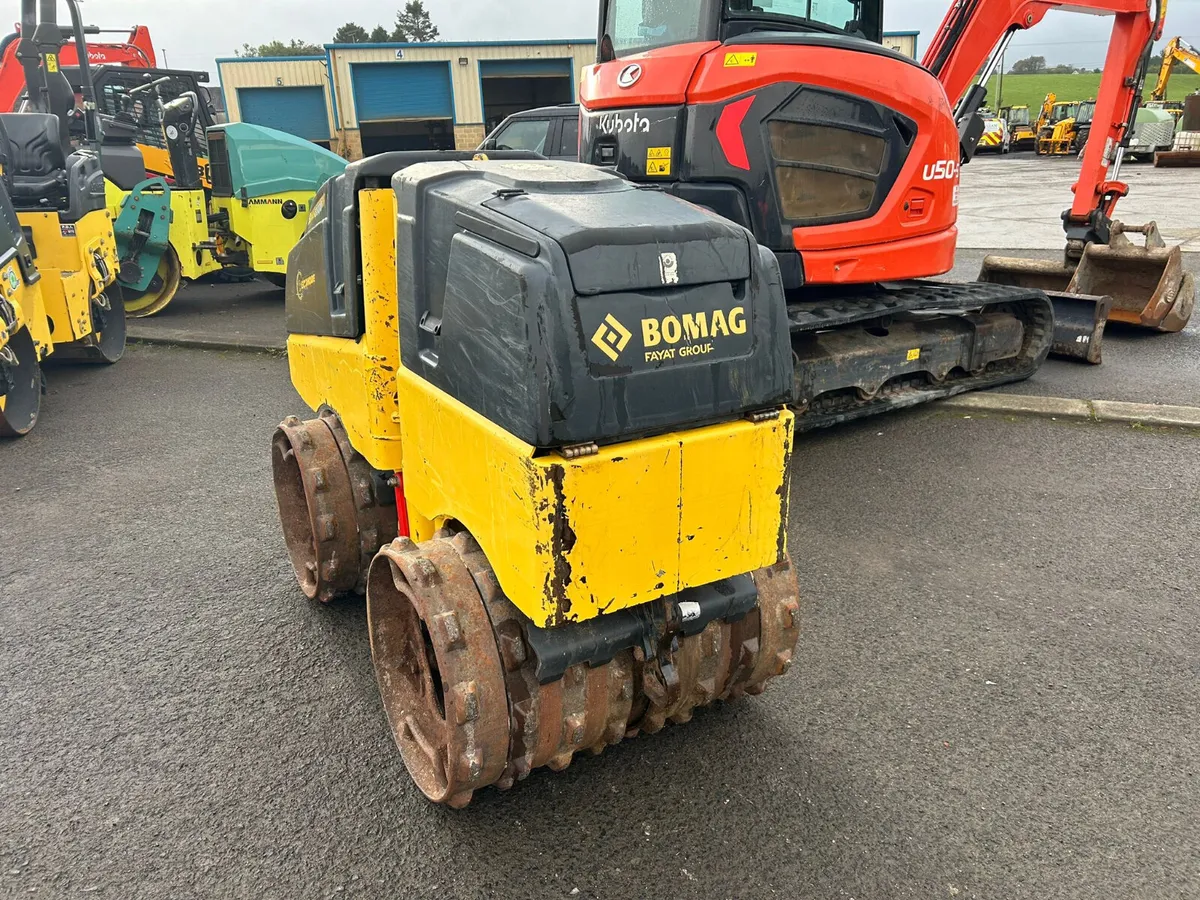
136, 50
843, 157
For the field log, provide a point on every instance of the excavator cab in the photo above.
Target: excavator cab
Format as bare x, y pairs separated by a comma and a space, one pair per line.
637, 26
836, 153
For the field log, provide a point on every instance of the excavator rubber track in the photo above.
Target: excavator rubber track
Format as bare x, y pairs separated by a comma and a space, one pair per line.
868, 349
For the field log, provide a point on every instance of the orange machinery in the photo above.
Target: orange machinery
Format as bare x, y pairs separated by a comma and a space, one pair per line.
843, 157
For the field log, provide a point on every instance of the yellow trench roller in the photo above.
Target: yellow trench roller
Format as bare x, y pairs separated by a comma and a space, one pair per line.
561, 543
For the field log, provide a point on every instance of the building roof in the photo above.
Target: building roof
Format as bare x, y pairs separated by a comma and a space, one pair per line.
259, 59
391, 45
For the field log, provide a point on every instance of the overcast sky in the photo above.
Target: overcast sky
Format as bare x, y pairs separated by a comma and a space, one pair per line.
193, 33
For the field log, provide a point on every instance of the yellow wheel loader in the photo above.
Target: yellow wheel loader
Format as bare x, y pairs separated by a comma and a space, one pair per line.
552, 449
57, 248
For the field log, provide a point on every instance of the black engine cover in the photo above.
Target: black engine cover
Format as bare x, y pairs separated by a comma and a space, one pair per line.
567, 305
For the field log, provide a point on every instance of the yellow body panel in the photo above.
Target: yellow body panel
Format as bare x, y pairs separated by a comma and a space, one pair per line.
66, 259
572, 539
263, 230
189, 228
260, 228
338, 373
569, 539
26, 310
358, 378
113, 198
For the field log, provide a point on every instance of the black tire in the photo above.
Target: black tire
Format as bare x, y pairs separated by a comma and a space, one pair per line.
23, 402
110, 343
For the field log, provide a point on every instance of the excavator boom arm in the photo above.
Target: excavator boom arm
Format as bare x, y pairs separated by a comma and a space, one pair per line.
1177, 50
971, 31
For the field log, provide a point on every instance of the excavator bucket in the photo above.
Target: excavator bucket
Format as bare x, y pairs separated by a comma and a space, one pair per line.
1142, 285
1148, 285
1079, 319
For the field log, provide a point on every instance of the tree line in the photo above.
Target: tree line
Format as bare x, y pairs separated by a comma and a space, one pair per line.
413, 26
1036, 65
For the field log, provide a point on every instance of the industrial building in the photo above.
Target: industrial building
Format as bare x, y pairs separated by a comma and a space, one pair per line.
902, 42
362, 99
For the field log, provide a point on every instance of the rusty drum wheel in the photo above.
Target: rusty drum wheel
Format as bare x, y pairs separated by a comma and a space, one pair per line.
459, 681
438, 668
333, 508
316, 508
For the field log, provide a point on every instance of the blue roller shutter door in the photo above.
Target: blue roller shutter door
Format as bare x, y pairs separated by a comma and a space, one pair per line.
297, 110
525, 68
389, 91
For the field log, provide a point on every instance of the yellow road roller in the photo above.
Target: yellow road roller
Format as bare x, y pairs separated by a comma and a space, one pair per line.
58, 253
552, 449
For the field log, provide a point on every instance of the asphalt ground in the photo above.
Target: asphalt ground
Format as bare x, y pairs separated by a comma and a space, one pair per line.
1139, 366
1017, 200
219, 314
995, 696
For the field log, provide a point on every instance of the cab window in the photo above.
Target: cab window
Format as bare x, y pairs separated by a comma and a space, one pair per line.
524, 134
570, 138
634, 26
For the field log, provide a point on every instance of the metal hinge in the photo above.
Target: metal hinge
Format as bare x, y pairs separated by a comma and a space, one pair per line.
763, 415
575, 451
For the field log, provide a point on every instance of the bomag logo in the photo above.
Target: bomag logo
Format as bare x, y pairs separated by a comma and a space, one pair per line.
611, 337
672, 338
690, 328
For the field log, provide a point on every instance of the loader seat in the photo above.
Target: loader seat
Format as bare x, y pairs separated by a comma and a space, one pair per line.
41, 177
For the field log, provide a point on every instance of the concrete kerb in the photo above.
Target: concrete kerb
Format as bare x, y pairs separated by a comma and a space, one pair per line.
184, 339
1081, 410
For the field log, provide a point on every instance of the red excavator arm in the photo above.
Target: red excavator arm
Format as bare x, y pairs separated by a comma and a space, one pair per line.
136, 51
974, 28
